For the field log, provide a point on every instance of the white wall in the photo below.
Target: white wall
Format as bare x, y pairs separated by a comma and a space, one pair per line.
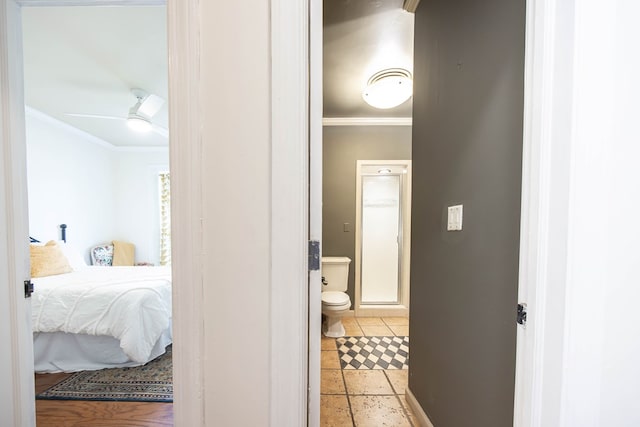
137, 214
102, 194
70, 181
602, 374
236, 211
588, 283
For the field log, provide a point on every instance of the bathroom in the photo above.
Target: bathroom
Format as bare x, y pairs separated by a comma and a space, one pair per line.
369, 387
347, 152
366, 212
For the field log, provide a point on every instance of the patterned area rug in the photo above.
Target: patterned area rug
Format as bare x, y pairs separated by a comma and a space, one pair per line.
149, 383
373, 352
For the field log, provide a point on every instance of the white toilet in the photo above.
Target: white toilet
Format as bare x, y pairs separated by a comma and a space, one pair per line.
335, 301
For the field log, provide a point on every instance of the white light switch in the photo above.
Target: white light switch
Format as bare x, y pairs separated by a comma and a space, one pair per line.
454, 218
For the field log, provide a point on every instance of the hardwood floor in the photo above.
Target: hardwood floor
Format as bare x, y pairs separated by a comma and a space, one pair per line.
73, 413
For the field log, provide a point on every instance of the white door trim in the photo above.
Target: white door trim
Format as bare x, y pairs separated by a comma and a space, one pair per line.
183, 30
315, 204
17, 400
545, 203
289, 211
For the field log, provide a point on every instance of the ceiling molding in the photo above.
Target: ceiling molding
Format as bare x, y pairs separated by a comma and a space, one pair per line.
92, 139
39, 3
411, 5
367, 121
139, 149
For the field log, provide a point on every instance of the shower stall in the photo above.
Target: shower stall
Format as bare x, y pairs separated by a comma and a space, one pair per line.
382, 237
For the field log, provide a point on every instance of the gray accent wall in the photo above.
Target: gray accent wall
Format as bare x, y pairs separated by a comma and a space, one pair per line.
467, 149
343, 146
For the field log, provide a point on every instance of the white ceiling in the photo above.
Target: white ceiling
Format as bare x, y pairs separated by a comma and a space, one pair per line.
362, 37
87, 60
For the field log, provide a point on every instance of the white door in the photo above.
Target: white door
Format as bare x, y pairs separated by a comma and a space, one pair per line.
17, 400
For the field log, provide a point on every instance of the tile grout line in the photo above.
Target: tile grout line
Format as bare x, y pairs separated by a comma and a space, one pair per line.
346, 391
404, 410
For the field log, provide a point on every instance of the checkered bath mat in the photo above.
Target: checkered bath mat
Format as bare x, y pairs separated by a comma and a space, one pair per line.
373, 352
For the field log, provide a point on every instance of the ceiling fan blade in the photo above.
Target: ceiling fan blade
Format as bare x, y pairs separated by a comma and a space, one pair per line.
95, 116
151, 105
160, 130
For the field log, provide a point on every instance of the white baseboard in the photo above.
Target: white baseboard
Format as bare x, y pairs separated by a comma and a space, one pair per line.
417, 410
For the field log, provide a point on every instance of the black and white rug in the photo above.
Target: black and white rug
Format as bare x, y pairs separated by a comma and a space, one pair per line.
373, 352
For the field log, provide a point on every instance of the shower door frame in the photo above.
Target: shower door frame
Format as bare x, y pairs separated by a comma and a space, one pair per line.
404, 249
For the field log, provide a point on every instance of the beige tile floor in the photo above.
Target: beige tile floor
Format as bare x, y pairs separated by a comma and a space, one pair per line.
364, 398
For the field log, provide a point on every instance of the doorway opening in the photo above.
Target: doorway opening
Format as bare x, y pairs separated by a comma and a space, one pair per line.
88, 167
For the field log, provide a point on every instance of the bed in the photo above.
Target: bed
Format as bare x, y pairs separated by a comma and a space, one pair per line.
96, 317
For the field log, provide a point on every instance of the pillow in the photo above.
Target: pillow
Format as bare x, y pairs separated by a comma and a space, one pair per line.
102, 255
74, 258
48, 260
123, 253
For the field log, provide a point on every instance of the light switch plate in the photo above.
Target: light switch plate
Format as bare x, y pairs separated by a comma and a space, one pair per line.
454, 218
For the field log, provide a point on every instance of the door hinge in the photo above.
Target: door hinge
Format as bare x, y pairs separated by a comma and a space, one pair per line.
521, 317
28, 288
314, 255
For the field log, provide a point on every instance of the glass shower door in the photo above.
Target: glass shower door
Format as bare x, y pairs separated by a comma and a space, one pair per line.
381, 235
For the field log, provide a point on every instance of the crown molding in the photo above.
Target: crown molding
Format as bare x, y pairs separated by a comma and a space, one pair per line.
367, 121
411, 5
92, 139
39, 3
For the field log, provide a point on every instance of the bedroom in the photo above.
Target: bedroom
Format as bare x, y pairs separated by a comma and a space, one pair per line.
87, 169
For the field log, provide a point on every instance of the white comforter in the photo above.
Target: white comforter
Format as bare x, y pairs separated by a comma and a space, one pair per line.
131, 304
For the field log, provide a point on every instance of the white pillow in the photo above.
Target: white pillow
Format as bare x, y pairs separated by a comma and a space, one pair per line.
75, 259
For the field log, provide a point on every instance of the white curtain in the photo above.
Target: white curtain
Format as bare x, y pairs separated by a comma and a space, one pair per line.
165, 219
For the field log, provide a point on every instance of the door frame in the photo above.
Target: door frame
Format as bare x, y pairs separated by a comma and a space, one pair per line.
546, 197
315, 207
17, 400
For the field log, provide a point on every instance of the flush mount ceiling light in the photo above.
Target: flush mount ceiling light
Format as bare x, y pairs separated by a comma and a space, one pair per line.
388, 88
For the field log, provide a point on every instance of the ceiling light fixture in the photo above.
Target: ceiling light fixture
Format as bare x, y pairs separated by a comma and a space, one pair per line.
138, 123
388, 88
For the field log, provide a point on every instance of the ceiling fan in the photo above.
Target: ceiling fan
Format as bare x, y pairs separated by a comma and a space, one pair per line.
139, 117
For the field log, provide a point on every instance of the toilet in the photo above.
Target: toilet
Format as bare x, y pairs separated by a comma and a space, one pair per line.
335, 301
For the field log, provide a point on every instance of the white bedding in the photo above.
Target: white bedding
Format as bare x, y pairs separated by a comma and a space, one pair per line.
131, 304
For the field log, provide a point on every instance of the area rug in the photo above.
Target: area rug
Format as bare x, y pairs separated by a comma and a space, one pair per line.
149, 383
373, 352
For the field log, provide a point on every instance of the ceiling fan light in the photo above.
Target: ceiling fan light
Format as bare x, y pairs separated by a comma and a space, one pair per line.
139, 124
388, 88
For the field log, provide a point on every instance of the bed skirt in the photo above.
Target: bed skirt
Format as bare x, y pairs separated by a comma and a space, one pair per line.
62, 352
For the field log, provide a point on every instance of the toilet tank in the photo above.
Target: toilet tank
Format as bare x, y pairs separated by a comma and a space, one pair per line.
335, 271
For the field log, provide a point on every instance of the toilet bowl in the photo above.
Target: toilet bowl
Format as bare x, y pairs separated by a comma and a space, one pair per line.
335, 301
